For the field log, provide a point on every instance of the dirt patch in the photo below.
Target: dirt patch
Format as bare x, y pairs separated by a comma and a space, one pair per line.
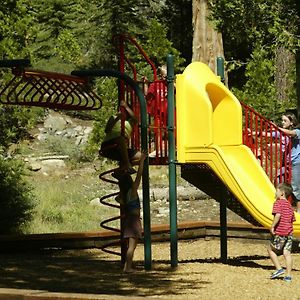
199, 274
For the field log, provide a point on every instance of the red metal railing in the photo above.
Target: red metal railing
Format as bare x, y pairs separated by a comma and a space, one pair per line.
156, 107
269, 144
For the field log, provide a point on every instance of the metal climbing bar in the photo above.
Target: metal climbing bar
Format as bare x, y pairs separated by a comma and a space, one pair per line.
120, 41
47, 89
158, 110
144, 142
156, 107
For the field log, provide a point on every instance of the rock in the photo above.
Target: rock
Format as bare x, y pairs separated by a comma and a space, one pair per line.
55, 122
87, 130
95, 202
34, 166
70, 133
51, 165
79, 140
42, 137
63, 126
183, 193
78, 128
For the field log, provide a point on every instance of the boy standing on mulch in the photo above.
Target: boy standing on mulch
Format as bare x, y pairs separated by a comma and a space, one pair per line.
281, 231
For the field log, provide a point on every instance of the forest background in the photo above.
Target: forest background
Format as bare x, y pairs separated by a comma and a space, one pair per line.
259, 40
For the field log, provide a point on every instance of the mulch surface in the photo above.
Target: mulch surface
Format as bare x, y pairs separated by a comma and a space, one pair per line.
93, 274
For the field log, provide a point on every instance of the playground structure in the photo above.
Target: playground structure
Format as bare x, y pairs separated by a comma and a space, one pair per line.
220, 146
47, 89
216, 141
216, 147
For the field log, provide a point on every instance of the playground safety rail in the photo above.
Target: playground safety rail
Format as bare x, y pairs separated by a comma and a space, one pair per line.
157, 109
269, 144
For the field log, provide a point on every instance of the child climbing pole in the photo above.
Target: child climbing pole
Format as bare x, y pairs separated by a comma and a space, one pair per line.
130, 202
115, 145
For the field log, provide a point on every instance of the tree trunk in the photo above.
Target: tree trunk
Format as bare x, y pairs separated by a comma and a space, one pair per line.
298, 82
207, 42
284, 61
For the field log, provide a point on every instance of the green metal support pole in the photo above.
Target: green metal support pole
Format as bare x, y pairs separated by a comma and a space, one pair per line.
172, 163
223, 223
224, 192
220, 68
144, 143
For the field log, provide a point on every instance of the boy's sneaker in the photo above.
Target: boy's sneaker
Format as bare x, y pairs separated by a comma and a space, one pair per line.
287, 278
277, 273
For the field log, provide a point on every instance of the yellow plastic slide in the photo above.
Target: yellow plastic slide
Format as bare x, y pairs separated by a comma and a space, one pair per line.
209, 130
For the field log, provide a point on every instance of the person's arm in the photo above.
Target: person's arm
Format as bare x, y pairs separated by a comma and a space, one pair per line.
111, 123
259, 133
129, 111
145, 85
275, 222
138, 177
150, 92
291, 133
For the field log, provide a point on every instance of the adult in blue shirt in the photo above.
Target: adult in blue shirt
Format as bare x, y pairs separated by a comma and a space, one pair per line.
291, 128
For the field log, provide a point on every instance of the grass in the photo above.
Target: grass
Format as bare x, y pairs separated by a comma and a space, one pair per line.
64, 203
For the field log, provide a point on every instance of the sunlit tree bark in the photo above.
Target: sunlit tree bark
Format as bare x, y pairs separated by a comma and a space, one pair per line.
207, 42
284, 61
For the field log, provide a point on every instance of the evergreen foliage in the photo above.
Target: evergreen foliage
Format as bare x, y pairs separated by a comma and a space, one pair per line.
259, 90
15, 121
54, 46
15, 23
252, 32
16, 197
177, 16
109, 95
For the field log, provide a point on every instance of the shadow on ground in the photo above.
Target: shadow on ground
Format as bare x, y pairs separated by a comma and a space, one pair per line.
91, 275
62, 272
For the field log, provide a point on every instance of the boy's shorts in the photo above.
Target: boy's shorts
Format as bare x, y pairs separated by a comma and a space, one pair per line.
279, 243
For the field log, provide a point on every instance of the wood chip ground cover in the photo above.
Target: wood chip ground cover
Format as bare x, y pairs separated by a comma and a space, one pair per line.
199, 274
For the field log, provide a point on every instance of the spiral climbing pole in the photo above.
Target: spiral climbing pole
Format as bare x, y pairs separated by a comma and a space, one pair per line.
107, 200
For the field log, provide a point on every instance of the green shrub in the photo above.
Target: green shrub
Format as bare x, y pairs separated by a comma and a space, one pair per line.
108, 91
15, 122
16, 198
